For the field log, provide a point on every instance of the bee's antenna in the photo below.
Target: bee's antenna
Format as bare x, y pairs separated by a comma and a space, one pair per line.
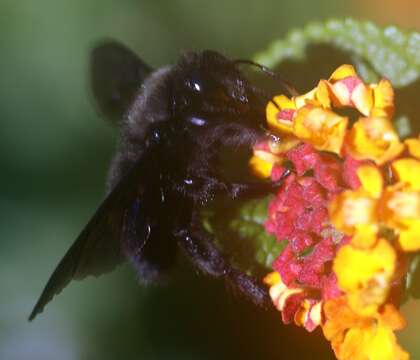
291, 90
265, 94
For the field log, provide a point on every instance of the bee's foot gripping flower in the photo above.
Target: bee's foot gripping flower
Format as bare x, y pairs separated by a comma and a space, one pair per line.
349, 213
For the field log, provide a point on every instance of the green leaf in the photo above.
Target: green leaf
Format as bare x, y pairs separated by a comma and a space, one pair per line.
240, 232
387, 51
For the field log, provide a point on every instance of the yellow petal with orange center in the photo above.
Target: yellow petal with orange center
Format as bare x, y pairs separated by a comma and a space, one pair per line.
352, 209
374, 138
365, 274
407, 171
371, 180
383, 95
323, 129
413, 147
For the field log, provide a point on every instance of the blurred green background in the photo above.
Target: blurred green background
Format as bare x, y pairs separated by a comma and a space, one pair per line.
54, 153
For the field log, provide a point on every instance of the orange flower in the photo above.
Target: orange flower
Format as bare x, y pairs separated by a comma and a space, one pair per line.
353, 210
400, 210
356, 337
349, 90
365, 275
375, 139
323, 129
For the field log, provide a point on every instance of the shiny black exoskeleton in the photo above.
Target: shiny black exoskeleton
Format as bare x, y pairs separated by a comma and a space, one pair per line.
175, 125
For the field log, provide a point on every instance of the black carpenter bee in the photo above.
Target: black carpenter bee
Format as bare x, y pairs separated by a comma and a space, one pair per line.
175, 122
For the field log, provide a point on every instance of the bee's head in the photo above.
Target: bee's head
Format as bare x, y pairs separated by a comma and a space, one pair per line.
208, 85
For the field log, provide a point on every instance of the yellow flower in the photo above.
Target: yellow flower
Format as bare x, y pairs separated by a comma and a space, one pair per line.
365, 275
400, 210
323, 129
356, 337
353, 210
347, 89
374, 138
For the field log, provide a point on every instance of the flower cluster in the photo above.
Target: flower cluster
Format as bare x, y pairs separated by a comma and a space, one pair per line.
350, 213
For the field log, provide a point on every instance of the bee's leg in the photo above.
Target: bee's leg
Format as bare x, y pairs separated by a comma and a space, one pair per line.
197, 245
244, 190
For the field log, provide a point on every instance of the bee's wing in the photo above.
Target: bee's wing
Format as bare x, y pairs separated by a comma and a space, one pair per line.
99, 247
116, 76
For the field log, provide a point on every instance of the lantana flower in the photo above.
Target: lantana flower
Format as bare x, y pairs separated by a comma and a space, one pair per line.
367, 337
349, 213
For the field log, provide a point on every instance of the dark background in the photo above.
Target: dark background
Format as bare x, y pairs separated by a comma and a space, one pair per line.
54, 153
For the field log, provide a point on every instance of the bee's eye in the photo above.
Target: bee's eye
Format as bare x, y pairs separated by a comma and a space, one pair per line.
196, 86
195, 83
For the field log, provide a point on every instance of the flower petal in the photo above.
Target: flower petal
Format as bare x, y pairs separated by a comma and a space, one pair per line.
410, 238
351, 209
371, 180
365, 274
323, 129
407, 171
342, 72
413, 147
260, 167
374, 138
383, 95
280, 117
